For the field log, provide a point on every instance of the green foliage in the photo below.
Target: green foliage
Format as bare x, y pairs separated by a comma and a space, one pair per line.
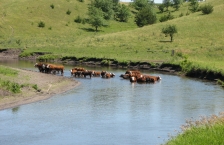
205, 131
124, 63
26, 54
95, 17
10, 86
193, 6
105, 62
167, 3
177, 3
68, 12
186, 65
123, 13
220, 82
48, 57
145, 16
207, 9
140, 4
18, 42
81, 0
181, 15
41, 24
106, 6
161, 7
7, 71
169, 30
35, 87
166, 17
78, 19
52, 6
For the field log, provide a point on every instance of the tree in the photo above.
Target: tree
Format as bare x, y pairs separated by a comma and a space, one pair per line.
139, 4
145, 16
177, 3
95, 17
193, 6
122, 13
170, 30
106, 6
167, 3
161, 8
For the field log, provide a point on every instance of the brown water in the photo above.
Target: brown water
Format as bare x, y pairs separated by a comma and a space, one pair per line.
110, 111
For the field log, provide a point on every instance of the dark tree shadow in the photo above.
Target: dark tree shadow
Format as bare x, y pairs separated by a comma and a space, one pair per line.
90, 30
165, 41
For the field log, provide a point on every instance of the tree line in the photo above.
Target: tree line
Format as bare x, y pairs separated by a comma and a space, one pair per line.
100, 11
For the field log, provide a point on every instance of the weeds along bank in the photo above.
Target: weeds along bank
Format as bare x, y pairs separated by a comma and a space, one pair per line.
205, 131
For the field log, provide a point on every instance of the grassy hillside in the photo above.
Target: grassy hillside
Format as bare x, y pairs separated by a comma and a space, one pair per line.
199, 37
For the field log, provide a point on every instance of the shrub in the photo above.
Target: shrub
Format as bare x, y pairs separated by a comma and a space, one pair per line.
78, 19
52, 6
18, 42
35, 87
207, 9
68, 12
166, 17
181, 15
41, 24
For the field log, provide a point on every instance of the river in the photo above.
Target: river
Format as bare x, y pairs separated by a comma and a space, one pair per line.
110, 111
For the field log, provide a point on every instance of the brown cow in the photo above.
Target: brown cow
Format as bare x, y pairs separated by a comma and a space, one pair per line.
40, 66
97, 74
87, 73
109, 75
52, 68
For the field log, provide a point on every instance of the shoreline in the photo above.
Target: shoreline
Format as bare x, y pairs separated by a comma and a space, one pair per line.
49, 85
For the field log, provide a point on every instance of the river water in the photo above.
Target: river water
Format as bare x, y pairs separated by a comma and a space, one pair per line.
110, 111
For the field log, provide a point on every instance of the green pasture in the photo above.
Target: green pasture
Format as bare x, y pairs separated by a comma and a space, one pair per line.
199, 37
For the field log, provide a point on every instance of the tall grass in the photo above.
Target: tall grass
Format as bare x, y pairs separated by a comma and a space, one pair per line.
205, 131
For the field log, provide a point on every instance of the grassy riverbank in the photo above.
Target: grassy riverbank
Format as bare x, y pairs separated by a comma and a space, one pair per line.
206, 131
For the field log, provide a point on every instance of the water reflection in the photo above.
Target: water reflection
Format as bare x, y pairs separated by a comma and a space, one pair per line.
111, 111
16, 109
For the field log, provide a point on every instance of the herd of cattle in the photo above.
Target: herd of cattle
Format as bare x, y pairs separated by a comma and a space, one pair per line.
132, 75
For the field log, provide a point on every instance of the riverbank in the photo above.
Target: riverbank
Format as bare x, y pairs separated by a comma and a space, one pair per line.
47, 86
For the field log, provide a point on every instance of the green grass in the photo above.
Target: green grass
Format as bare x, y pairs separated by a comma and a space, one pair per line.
7, 71
199, 37
206, 131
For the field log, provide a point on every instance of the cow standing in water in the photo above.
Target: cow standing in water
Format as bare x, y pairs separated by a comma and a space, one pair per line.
52, 68
105, 74
40, 66
49, 68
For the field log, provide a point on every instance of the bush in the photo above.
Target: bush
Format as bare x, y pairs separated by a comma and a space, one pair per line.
207, 9
68, 12
35, 87
52, 6
166, 17
41, 24
78, 19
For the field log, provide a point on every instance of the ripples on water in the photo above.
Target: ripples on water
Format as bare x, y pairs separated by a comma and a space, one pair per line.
111, 111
